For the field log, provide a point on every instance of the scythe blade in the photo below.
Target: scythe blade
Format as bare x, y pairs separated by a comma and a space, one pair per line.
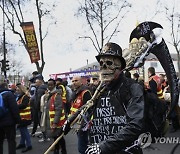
159, 48
161, 51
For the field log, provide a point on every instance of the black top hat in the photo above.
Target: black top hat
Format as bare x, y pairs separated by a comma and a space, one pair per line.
112, 49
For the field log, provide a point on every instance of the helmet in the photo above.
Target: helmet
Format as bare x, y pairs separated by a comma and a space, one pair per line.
112, 49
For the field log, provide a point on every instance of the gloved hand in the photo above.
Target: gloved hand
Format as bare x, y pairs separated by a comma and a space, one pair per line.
93, 149
66, 127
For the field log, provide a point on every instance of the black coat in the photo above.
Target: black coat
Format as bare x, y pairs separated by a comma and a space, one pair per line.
123, 123
12, 117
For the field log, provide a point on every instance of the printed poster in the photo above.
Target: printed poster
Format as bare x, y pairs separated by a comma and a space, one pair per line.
31, 41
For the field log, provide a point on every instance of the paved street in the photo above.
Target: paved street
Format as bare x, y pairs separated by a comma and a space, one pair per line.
40, 148
163, 148
71, 141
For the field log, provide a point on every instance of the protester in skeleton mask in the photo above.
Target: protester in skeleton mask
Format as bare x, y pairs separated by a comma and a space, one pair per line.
116, 124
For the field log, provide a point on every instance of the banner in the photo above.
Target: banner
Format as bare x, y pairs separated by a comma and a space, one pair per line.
31, 41
70, 75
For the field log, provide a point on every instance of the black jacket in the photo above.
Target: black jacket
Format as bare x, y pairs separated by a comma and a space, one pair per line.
12, 117
118, 123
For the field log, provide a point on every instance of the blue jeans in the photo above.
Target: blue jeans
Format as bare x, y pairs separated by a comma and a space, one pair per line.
25, 137
82, 141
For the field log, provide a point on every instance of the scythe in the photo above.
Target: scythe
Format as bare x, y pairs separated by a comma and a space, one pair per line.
157, 46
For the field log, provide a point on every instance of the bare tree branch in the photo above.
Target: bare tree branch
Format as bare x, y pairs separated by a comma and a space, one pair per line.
174, 20
90, 24
13, 28
14, 14
115, 30
87, 37
40, 34
19, 6
101, 20
15, 10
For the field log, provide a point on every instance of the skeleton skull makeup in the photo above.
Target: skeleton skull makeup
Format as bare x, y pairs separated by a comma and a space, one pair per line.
109, 63
108, 66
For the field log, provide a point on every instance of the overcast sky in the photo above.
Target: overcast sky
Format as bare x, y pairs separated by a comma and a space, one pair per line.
63, 51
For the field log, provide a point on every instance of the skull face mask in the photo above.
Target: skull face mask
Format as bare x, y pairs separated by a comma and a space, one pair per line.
108, 67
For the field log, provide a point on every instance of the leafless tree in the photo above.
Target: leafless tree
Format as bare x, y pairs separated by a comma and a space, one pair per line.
173, 18
15, 16
103, 22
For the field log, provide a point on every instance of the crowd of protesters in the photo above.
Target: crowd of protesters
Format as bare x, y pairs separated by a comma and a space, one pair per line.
49, 104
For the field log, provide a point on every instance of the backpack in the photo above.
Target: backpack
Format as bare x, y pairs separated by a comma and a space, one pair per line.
155, 109
3, 109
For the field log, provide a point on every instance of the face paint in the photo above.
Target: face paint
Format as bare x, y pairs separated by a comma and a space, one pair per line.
108, 67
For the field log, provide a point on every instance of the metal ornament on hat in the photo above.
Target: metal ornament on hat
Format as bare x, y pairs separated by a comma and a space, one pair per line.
108, 49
